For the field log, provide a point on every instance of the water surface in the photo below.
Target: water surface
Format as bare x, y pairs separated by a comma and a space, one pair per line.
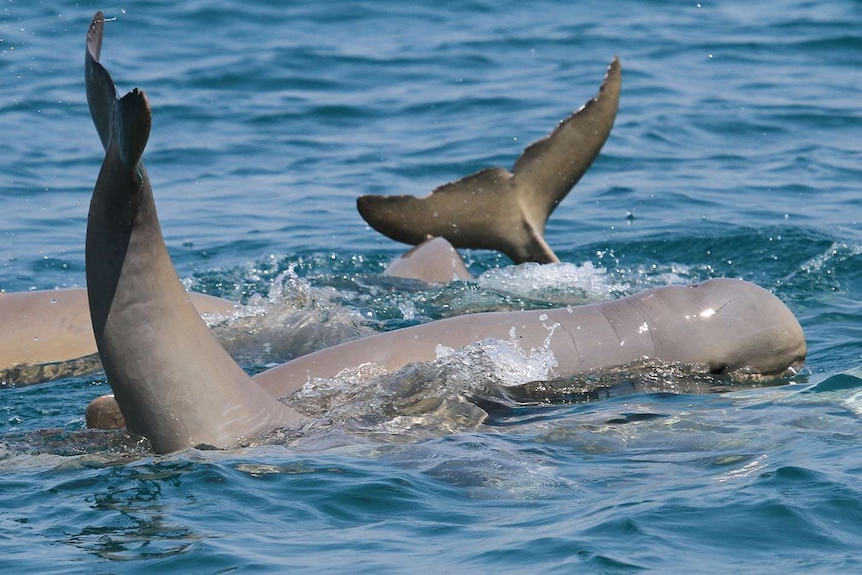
735, 154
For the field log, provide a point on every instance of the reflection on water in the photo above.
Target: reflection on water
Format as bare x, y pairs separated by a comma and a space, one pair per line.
132, 516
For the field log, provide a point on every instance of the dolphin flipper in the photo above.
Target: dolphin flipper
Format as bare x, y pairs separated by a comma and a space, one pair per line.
501, 210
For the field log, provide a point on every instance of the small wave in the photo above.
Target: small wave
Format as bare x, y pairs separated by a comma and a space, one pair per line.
426, 398
292, 319
558, 283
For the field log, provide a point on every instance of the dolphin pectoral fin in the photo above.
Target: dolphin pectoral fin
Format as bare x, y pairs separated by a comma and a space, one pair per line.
101, 92
501, 210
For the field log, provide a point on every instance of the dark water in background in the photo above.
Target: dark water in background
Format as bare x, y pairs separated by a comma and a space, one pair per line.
735, 154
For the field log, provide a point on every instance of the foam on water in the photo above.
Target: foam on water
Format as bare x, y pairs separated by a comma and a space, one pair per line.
558, 284
423, 399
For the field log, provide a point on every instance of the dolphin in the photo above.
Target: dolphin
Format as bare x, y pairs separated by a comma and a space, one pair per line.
720, 326
173, 381
48, 333
502, 210
175, 385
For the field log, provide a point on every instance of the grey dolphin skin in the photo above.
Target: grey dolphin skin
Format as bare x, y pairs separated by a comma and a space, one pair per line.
175, 385
501, 210
432, 261
718, 326
47, 334
172, 380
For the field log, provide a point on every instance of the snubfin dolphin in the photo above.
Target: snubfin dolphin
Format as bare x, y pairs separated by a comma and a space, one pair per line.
172, 380
501, 210
719, 326
175, 385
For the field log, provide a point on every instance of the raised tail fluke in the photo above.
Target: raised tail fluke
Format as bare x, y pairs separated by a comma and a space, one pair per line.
501, 210
132, 123
172, 380
101, 92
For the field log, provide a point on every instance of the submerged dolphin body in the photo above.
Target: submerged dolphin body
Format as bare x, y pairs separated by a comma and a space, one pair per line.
501, 210
173, 381
176, 386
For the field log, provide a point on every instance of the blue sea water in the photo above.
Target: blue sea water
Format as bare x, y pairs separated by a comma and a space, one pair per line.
736, 153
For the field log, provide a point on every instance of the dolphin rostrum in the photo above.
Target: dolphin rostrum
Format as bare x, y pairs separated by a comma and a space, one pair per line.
501, 210
173, 381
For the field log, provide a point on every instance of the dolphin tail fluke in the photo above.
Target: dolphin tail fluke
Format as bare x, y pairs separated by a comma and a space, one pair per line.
480, 211
173, 381
101, 92
549, 168
502, 210
131, 127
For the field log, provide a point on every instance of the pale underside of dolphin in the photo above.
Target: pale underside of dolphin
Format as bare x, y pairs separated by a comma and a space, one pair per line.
176, 386
502, 210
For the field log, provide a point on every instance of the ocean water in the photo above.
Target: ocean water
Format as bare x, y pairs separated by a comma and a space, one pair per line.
736, 153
